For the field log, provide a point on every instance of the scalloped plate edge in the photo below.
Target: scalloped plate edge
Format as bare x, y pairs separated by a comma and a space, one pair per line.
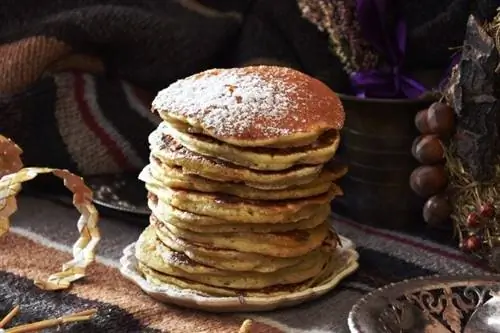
188, 299
358, 311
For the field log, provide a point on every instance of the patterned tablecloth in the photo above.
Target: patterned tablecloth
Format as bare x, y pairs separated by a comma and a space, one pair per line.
43, 232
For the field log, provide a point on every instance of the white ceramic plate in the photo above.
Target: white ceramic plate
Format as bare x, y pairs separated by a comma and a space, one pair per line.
191, 299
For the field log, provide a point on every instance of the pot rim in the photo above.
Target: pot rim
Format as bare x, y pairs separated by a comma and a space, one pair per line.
352, 98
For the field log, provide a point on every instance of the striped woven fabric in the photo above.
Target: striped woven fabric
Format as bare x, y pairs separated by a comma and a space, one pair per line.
80, 116
43, 232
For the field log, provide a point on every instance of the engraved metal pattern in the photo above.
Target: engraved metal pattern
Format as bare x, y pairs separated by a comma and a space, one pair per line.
436, 304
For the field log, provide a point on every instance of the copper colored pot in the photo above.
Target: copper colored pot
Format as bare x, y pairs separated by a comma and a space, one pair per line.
376, 144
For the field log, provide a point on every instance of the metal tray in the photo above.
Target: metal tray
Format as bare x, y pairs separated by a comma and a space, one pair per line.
436, 304
124, 193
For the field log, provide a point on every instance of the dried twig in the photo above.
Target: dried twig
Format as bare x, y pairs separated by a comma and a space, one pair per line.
246, 326
9, 316
72, 318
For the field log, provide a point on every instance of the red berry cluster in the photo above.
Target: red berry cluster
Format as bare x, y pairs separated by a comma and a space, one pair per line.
477, 220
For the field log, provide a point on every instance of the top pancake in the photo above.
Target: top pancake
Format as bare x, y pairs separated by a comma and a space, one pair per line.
255, 106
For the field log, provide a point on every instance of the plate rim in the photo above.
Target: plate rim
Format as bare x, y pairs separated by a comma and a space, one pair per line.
218, 304
358, 312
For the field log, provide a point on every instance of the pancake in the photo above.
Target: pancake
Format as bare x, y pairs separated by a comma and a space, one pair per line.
234, 260
164, 280
149, 251
279, 244
335, 265
170, 152
234, 209
271, 159
160, 174
252, 106
207, 224
191, 263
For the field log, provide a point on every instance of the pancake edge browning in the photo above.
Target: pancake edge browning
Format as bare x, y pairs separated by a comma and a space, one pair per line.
173, 177
335, 265
172, 153
234, 209
305, 105
200, 223
279, 244
276, 161
147, 253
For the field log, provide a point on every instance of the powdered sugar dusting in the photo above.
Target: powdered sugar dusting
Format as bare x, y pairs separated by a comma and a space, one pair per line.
229, 103
249, 102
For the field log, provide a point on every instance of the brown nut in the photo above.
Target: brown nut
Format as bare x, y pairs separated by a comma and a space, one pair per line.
441, 119
438, 119
428, 180
421, 122
428, 149
437, 211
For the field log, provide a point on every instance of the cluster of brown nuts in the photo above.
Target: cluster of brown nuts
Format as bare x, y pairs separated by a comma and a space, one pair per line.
436, 125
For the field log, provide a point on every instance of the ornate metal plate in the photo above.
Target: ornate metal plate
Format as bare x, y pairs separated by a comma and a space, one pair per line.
435, 304
124, 193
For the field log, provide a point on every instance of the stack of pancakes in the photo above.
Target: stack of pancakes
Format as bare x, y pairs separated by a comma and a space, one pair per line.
240, 181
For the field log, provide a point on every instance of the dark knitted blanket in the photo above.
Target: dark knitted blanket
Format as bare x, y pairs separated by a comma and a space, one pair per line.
78, 75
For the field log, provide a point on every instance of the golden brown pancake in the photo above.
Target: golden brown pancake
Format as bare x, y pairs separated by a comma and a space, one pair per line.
235, 260
234, 209
208, 224
335, 265
164, 280
293, 243
159, 174
271, 159
155, 255
252, 106
170, 152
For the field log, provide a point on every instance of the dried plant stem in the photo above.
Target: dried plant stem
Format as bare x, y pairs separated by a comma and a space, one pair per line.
33, 327
9, 316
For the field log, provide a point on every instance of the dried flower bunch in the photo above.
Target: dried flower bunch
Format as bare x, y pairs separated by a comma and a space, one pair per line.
369, 37
338, 19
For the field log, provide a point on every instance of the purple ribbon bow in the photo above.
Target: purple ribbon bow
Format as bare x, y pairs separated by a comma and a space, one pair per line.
388, 81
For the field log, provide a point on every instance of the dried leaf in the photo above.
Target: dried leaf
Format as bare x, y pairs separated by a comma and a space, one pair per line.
10, 156
471, 93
